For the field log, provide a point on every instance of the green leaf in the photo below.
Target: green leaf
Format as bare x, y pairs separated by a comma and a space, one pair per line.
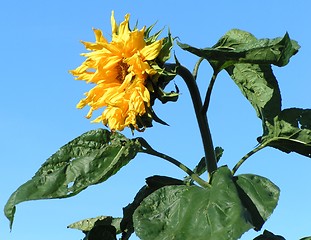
153, 183
269, 236
259, 195
100, 232
89, 159
259, 85
290, 131
86, 225
201, 166
247, 60
192, 212
306, 238
238, 46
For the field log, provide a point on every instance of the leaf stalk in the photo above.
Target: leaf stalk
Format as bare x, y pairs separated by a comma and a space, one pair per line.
146, 148
246, 156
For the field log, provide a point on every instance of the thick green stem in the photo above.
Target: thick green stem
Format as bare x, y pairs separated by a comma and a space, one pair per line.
210, 158
148, 149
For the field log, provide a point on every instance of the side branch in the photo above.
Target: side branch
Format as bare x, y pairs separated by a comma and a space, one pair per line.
146, 148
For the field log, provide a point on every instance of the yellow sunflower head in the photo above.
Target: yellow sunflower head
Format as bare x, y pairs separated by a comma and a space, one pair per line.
124, 72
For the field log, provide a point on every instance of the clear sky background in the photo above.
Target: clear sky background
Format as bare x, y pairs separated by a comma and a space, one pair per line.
39, 43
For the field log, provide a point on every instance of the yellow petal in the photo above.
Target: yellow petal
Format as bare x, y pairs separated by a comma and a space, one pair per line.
119, 69
151, 51
114, 26
81, 104
124, 26
99, 36
135, 42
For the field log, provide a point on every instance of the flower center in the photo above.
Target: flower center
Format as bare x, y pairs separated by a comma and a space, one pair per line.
122, 71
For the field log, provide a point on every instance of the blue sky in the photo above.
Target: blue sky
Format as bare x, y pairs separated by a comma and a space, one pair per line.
40, 42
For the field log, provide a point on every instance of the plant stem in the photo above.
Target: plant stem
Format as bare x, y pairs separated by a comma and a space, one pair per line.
243, 159
196, 68
146, 148
209, 93
210, 158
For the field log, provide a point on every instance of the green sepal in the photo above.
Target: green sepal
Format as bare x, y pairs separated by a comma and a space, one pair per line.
165, 52
89, 159
151, 38
165, 97
167, 44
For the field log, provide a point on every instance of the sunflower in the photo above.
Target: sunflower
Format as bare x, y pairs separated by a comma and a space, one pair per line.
120, 70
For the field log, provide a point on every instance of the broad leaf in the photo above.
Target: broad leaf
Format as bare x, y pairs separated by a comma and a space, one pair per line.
86, 225
290, 131
238, 46
253, 73
259, 85
89, 159
100, 232
269, 236
259, 195
192, 212
247, 60
153, 183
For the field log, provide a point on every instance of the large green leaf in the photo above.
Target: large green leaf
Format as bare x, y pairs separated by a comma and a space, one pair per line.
238, 46
89, 159
269, 236
192, 212
259, 195
290, 131
259, 86
253, 73
153, 183
86, 225
102, 227
247, 60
